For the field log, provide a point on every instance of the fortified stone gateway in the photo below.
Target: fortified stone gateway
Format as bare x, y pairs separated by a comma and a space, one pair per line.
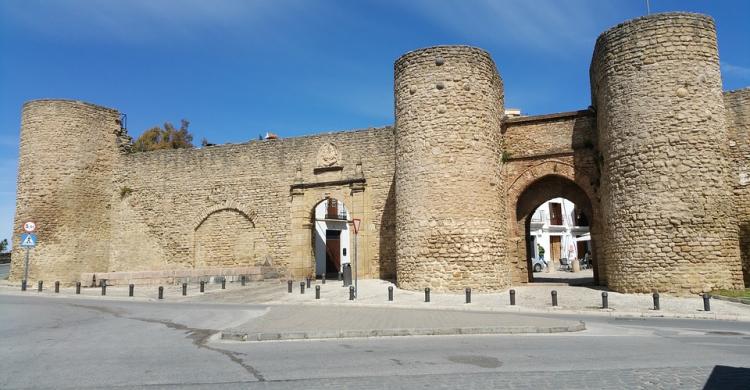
659, 165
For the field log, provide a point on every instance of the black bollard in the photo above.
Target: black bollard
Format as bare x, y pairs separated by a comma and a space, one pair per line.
223, 283
39, 286
131, 290
317, 292
184, 289
289, 286
242, 280
605, 300
512, 297
78, 287
341, 276
161, 292
104, 288
57, 286
301, 287
468, 295
554, 298
706, 303
23, 285
351, 293
308, 282
427, 294
324, 278
203, 286
656, 301
390, 293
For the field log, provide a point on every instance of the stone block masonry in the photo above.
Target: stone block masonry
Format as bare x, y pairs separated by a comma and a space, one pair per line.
658, 165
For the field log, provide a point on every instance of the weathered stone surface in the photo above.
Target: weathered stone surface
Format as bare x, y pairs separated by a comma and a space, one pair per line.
659, 166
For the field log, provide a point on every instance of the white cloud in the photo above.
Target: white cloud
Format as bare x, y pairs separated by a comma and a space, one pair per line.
547, 25
735, 70
143, 21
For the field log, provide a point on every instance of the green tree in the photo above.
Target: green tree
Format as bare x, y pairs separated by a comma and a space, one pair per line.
3, 245
157, 138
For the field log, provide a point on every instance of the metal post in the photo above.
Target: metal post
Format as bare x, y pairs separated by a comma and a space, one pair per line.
512, 297
242, 280
104, 287
356, 236
390, 293
301, 287
427, 294
78, 287
341, 276
554, 298
223, 283
307, 280
289, 286
57, 286
131, 290
39, 286
161, 292
25, 271
351, 293
184, 289
317, 292
656, 301
605, 300
468, 295
203, 286
324, 278
706, 303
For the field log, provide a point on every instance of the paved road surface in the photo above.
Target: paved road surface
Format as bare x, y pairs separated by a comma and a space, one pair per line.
69, 343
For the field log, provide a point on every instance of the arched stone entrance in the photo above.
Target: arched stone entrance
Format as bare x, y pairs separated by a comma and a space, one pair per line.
331, 237
532, 188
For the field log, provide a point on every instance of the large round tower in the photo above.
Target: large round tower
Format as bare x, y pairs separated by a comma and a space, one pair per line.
67, 153
449, 205
668, 219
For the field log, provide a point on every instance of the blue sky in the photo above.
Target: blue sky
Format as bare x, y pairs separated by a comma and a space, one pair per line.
237, 69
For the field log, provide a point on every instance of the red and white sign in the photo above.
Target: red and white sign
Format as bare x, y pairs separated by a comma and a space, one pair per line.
29, 227
356, 222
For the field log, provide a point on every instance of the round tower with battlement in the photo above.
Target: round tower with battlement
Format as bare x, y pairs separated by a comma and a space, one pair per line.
67, 153
665, 188
449, 203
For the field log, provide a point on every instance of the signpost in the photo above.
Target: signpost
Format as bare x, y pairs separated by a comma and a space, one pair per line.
28, 241
355, 222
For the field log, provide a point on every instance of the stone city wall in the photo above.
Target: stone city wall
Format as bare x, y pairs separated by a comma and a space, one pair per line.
669, 222
737, 104
231, 205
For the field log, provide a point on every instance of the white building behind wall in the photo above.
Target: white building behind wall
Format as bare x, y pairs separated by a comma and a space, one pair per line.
326, 224
557, 227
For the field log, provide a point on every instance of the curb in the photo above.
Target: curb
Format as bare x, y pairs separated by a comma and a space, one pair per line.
397, 332
731, 299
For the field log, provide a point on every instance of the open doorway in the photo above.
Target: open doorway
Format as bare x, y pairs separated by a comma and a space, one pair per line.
332, 238
553, 213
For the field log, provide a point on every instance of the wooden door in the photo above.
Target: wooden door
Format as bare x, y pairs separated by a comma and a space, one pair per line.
554, 248
333, 208
333, 251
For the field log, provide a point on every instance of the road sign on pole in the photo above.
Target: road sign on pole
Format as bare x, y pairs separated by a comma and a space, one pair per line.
355, 222
29, 227
28, 240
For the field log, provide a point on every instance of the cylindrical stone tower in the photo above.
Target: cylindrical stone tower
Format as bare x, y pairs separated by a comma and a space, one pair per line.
67, 153
449, 204
666, 198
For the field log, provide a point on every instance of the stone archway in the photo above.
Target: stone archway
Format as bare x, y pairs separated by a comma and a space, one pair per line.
330, 236
225, 235
537, 184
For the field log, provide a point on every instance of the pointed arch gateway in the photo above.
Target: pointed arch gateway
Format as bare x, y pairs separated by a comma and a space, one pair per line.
532, 188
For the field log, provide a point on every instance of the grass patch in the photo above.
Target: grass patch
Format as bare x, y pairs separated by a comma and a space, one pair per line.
733, 293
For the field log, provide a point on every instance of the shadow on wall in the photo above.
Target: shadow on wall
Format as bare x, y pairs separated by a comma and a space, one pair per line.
388, 236
745, 251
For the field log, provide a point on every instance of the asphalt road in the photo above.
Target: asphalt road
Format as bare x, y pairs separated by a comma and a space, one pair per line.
60, 343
